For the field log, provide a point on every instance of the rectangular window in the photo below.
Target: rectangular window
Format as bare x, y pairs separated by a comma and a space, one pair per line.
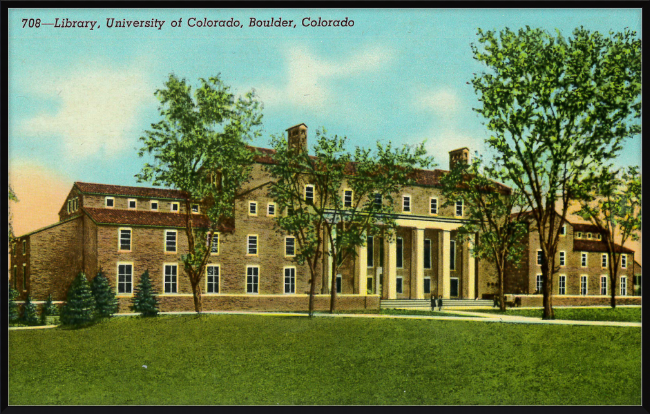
290, 246
427, 254
459, 208
270, 209
539, 284
289, 280
589, 235
400, 253
24, 247
212, 277
370, 243
215, 242
369, 286
563, 230
452, 255
132, 203
195, 208
623, 261
252, 245
109, 202
599, 236
124, 279
406, 204
174, 207
170, 240
125, 239
154, 205
309, 194
427, 285
623, 285
339, 283
603, 285
562, 285
433, 207
24, 277
378, 200
399, 285
562, 258
603, 261
252, 279
252, 208
171, 278
540, 255
583, 259
578, 235
583, 285
347, 198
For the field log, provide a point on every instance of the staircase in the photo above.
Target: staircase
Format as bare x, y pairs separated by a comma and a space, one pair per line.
425, 304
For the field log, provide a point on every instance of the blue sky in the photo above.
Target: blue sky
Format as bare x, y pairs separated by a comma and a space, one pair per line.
80, 99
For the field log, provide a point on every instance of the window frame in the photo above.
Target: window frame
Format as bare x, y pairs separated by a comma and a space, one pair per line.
406, 197
539, 284
286, 246
252, 203
370, 251
603, 283
430, 251
562, 258
178, 207
128, 204
623, 281
561, 285
175, 242
345, 201
431, 212
399, 284
151, 203
588, 236
207, 238
462, 208
292, 280
563, 230
164, 279
248, 245
378, 200
604, 258
584, 278
24, 277
399, 256
540, 257
452, 254
599, 236
106, 202
424, 285
584, 258
117, 279
339, 283
313, 192
268, 209
198, 208
24, 247
255, 282
119, 239
207, 281
623, 261
578, 235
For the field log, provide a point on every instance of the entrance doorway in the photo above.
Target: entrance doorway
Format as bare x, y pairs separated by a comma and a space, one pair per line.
453, 287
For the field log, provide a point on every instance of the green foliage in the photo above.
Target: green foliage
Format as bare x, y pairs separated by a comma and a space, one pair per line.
30, 314
48, 309
144, 300
104, 296
79, 308
13, 306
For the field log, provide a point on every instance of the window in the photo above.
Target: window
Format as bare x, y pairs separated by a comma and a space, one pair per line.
433, 206
378, 200
109, 202
427, 254
309, 194
370, 244
24, 247
400, 253
563, 230
154, 205
539, 286
578, 235
252, 245
583, 285
290, 246
195, 208
170, 240
603, 285
124, 278
215, 242
399, 285
562, 287
171, 278
289, 280
540, 255
603, 261
562, 258
270, 209
339, 283
212, 278
125, 240
252, 208
459, 208
583, 259
24, 277
599, 236
369, 286
623, 261
252, 279
452, 255
427, 285
347, 198
132, 203
406, 204
589, 235
623, 285
174, 207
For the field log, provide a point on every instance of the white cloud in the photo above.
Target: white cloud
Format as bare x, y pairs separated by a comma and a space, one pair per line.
97, 109
444, 102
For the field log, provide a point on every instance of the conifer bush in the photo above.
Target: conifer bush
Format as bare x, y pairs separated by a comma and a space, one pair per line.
49, 309
80, 305
13, 306
30, 315
144, 300
104, 296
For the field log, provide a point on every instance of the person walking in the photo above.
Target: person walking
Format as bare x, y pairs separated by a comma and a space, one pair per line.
434, 302
440, 303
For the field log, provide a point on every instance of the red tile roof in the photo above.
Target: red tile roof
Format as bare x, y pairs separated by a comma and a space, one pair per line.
148, 218
597, 246
94, 188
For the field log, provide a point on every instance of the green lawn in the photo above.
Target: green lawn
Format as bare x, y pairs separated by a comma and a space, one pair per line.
579, 314
251, 359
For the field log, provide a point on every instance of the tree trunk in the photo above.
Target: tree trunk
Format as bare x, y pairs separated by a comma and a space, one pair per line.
333, 286
613, 270
546, 289
196, 294
502, 300
312, 288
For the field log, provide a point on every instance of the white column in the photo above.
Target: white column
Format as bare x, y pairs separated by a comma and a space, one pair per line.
418, 245
444, 251
468, 264
362, 269
392, 269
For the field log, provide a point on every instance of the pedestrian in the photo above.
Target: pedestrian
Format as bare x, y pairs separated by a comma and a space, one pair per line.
434, 302
440, 303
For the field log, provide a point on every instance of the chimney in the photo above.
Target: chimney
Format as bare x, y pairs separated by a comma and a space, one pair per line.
458, 155
297, 137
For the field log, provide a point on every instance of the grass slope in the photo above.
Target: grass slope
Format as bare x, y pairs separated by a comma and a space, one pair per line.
241, 359
579, 314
